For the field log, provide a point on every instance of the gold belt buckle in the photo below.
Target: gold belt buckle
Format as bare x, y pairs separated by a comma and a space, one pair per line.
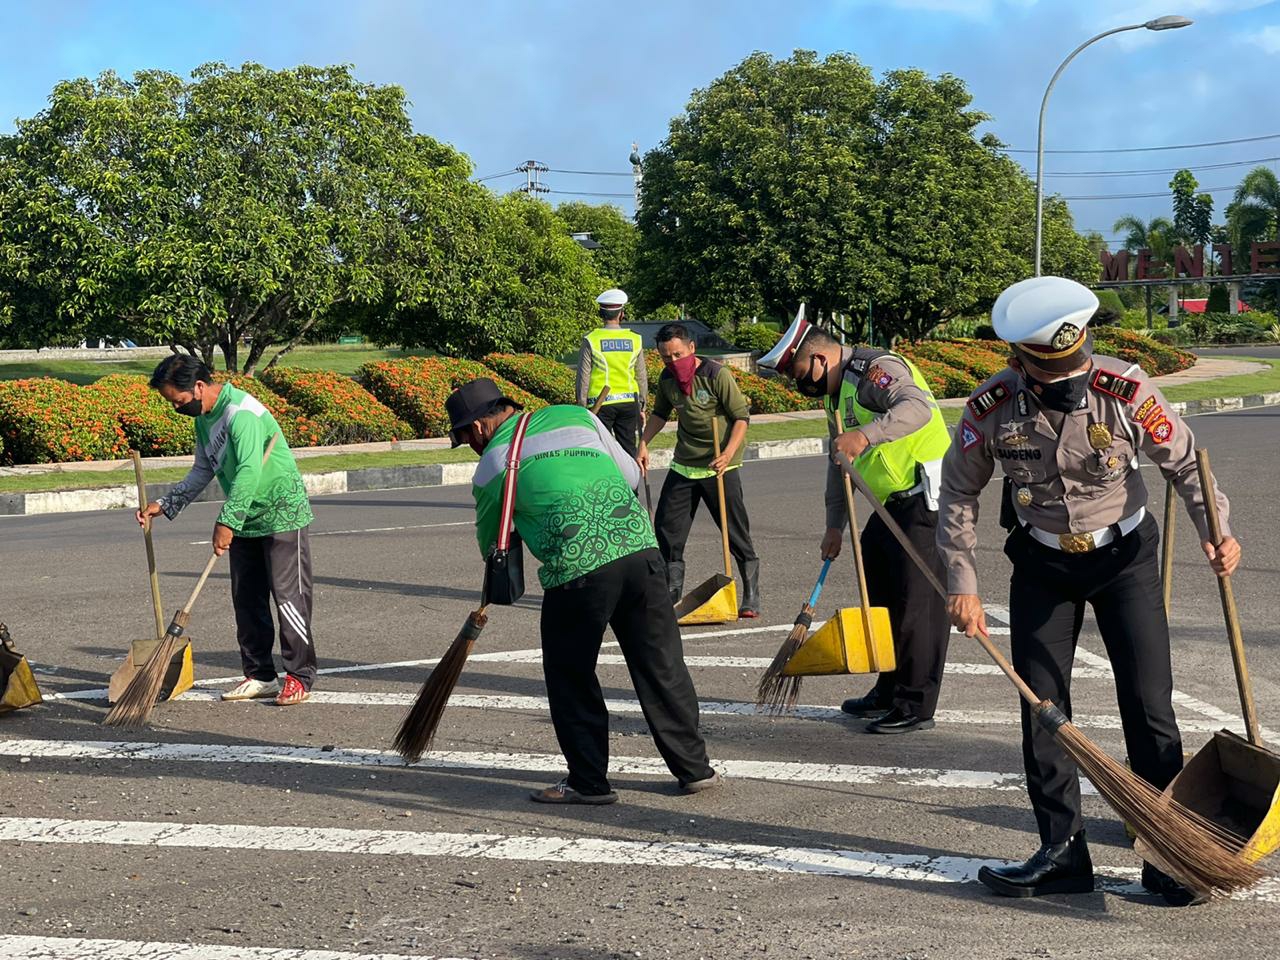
1076, 542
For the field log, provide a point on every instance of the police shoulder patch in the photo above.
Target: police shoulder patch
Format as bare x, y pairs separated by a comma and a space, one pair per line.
970, 436
1115, 385
981, 404
879, 376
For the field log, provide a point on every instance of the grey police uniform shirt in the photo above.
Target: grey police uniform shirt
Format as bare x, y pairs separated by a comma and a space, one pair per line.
902, 406
1073, 472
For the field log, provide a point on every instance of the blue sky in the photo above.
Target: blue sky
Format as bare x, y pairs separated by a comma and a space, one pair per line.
574, 83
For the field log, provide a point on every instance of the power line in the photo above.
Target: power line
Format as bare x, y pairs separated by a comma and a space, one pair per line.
1140, 173
583, 193
592, 173
495, 176
1145, 196
1176, 146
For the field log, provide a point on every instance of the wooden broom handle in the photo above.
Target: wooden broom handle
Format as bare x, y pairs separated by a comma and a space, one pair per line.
873, 652
724, 519
1006, 668
157, 606
1229, 611
599, 401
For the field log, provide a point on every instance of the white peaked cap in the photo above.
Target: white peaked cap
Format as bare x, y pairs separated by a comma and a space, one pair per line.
612, 298
779, 358
1045, 316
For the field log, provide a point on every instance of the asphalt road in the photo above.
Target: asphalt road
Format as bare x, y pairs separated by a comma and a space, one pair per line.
254, 828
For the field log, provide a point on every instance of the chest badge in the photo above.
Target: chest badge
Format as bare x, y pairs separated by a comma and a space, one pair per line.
1099, 436
1015, 440
702, 396
1024, 496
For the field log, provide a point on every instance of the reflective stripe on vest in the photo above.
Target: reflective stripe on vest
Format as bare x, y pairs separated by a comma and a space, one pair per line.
613, 357
891, 467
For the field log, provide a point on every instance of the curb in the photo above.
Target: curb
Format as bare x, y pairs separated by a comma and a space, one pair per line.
453, 474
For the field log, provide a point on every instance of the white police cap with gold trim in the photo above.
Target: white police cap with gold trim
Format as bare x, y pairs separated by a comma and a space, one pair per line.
612, 299
1047, 318
779, 358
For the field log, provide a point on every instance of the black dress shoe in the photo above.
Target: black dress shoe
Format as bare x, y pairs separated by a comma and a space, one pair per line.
897, 721
869, 706
1155, 880
1054, 868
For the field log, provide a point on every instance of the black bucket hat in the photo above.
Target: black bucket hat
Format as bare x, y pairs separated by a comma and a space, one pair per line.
470, 402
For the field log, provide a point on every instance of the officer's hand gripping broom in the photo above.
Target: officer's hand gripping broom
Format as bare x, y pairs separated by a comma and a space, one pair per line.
134, 707
778, 692
1198, 853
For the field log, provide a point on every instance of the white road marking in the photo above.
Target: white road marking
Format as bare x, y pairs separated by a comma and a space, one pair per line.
671, 854
729, 708
339, 533
787, 772
76, 948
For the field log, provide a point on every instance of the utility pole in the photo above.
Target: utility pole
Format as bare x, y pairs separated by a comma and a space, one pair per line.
637, 172
532, 169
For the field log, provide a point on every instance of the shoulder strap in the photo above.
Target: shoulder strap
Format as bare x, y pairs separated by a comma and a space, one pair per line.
507, 518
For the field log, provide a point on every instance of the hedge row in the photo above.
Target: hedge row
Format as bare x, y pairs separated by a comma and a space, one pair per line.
541, 376
150, 423
46, 420
344, 411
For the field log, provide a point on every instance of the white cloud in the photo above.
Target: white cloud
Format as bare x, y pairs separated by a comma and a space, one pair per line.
1268, 38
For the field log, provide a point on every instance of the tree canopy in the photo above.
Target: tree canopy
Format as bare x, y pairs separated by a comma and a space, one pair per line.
613, 230
806, 180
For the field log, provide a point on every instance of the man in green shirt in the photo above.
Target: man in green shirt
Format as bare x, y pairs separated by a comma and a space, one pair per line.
576, 509
700, 390
263, 523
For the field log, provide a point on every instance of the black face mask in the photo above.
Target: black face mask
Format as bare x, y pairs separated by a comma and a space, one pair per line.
192, 408
1061, 395
814, 386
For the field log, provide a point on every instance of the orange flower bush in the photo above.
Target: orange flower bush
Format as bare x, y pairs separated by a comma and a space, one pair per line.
150, 423
345, 411
548, 379
416, 388
1156, 358
46, 420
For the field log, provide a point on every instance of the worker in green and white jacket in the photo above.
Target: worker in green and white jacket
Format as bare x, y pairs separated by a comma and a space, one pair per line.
263, 523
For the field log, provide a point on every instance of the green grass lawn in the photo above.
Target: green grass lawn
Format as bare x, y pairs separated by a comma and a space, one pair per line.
1241, 385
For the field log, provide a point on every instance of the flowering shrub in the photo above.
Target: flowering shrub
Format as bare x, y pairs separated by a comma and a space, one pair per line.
946, 381
416, 388
299, 430
975, 357
344, 411
755, 337
1156, 358
771, 395
150, 423
543, 377
46, 420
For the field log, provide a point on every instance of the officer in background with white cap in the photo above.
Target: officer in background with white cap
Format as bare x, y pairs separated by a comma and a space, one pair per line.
1066, 427
614, 358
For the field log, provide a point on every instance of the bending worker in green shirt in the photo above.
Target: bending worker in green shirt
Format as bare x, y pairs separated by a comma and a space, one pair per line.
700, 390
576, 510
263, 523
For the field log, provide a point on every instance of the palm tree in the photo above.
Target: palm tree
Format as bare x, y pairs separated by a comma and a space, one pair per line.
1155, 235
1254, 213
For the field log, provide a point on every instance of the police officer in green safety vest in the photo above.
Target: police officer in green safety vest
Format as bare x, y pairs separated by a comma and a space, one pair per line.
883, 417
614, 358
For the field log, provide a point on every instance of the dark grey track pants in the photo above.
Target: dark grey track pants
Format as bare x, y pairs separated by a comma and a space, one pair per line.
279, 567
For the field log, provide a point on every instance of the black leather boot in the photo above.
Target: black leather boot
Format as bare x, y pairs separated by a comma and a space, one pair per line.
872, 705
1054, 868
749, 606
675, 580
1157, 881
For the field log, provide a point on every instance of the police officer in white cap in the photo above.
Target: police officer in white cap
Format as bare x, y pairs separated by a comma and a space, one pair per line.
614, 358
1066, 427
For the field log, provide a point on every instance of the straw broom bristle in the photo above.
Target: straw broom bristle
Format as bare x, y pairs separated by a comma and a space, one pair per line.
418, 730
1199, 854
134, 707
777, 692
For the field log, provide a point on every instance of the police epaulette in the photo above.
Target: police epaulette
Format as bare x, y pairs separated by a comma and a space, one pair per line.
1115, 385
980, 404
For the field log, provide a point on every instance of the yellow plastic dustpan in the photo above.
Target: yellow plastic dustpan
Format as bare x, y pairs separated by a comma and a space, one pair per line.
1232, 781
18, 687
716, 600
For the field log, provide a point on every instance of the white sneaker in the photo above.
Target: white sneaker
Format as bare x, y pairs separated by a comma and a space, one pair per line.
250, 689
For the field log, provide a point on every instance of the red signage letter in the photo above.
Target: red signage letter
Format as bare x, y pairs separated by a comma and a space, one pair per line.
1148, 268
1189, 265
1223, 250
1114, 266
1266, 257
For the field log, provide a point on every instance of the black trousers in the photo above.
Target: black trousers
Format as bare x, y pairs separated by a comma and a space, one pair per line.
917, 613
1047, 594
679, 502
629, 595
277, 566
623, 421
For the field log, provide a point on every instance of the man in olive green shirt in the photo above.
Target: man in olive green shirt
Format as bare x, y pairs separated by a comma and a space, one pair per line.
700, 390
263, 524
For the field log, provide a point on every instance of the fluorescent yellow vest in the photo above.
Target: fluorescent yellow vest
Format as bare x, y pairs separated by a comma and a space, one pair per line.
891, 467
613, 357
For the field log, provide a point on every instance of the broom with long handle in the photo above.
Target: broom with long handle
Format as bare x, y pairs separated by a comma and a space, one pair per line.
134, 707
1198, 853
860, 572
157, 607
778, 692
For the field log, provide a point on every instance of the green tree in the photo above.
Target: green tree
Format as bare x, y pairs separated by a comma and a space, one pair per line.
1192, 212
1254, 212
806, 180
615, 259
1156, 235
241, 204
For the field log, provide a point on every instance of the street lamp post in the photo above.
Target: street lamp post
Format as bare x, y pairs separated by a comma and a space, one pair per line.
1160, 23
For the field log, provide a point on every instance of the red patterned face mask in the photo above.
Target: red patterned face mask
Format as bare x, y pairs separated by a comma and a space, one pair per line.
683, 370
